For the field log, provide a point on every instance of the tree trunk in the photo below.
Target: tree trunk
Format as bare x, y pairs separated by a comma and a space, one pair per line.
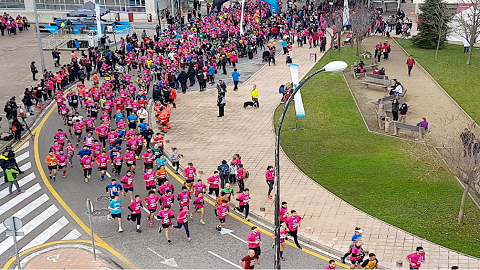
438, 46
469, 55
462, 203
358, 50
339, 40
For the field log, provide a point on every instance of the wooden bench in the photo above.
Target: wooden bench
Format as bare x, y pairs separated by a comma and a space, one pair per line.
370, 80
356, 74
378, 76
398, 125
370, 64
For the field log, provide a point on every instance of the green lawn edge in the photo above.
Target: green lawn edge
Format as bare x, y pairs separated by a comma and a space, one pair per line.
370, 171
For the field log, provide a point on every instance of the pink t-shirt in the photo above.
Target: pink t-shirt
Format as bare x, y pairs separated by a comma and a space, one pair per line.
182, 217
244, 198
151, 202
253, 237
86, 162
148, 157
270, 175
166, 216
189, 173
149, 179
293, 222
136, 207
416, 260
199, 202
60, 136
167, 200
102, 161
222, 211
213, 181
199, 188
283, 213
127, 181
328, 268
164, 188
118, 160
184, 198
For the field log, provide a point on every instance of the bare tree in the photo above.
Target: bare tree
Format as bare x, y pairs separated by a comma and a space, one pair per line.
361, 18
335, 27
469, 23
460, 150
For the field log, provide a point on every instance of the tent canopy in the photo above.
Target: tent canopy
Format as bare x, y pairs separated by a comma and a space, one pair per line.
87, 10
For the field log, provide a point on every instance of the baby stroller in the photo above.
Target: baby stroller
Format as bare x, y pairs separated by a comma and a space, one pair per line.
265, 56
348, 39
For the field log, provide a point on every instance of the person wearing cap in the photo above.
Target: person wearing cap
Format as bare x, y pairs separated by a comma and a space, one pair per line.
182, 220
357, 235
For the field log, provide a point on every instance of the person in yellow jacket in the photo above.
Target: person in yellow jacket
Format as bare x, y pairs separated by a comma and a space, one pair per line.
254, 94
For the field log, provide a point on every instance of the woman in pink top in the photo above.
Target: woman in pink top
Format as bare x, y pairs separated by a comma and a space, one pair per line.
182, 220
270, 177
283, 235
165, 216
237, 159
86, 162
357, 254
254, 240
127, 182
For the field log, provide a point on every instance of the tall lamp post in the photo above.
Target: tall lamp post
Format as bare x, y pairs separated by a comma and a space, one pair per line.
39, 38
334, 67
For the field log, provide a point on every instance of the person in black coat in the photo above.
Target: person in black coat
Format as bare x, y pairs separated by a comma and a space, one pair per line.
182, 79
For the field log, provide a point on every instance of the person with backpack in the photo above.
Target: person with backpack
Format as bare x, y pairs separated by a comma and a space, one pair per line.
242, 174
224, 170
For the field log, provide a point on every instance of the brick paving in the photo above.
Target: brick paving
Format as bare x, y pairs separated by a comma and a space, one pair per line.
206, 140
66, 258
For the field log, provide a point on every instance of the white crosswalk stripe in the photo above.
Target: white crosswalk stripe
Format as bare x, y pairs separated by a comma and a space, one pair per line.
47, 234
42, 220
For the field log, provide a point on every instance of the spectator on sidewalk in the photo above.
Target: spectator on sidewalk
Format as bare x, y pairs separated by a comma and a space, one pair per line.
221, 105
236, 78
410, 64
254, 94
12, 179
34, 70
467, 138
403, 112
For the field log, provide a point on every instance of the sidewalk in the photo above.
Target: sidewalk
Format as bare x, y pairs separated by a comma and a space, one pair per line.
66, 258
206, 140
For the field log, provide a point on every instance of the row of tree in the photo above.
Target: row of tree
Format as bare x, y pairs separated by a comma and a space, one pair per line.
436, 22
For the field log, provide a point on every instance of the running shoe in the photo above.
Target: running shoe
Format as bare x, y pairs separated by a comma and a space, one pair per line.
139, 231
102, 178
159, 229
50, 176
169, 241
173, 228
64, 176
283, 259
128, 217
151, 224
88, 176
191, 216
148, 218
86, 180
247, 219
189, 238
120, 229
203, 222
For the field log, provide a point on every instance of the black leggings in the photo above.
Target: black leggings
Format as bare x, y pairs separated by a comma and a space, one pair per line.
270, 187
211, 190
295, 237
118, 169
232, 179
179, 225
176, 165
241, 185
136, 217
247, 209
87, 172
103, 140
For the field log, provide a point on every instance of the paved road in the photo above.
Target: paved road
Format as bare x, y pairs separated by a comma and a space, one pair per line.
43, 217
144, 248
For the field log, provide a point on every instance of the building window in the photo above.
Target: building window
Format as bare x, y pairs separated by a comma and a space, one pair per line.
70, 5
12, 4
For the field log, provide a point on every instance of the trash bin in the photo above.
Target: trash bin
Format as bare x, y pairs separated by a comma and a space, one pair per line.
313, 57
130, 16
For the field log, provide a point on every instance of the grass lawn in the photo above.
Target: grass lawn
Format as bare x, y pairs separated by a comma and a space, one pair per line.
371, 171
452, 73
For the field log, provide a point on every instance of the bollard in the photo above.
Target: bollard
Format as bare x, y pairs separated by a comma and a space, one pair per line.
200, 172
395, 129
399, 264
387, 124
381, 108
335, 241
262, 209
167, 141
308, 230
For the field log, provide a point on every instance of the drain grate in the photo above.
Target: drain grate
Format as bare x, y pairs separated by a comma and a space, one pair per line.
103, 198
101, 212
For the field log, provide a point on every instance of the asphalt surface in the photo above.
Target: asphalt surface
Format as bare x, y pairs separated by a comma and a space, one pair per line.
149, 249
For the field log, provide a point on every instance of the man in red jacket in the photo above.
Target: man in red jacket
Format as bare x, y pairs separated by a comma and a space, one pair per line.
410, 64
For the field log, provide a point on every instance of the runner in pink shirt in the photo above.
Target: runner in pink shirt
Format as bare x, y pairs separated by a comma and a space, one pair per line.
117, 162
357, 254
152, 203
149, 179
166, 186
89, 124
199, 187
283, 212
182, 220
167, 199
148, 158
78, 129
293, 222
86, 163
165, 216
127, 182
189, 173
221, 212
62, 162
254, 240
56, 147
243, 202
214, 184
102, 162
130, 159
199, 203
184, 197
60, 136
331, 265
135, 208
270, 177
416, 259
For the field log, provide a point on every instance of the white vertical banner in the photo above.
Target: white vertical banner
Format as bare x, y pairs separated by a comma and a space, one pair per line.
299, 109
346, 13
241, 18
99, 24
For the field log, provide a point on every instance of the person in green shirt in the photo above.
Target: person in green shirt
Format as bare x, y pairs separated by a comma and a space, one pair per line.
228, 190
12, 180
102, 100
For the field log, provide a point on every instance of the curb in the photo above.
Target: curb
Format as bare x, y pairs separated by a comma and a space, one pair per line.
105, 259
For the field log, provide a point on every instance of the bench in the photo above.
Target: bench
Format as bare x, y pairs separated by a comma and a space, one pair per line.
378, 76
370, 80
370, 64
356, 74
398, 125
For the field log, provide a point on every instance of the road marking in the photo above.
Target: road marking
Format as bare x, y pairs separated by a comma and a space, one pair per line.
29, 227
53, 258
230, 232
25, 145
170, 172
38, 162
170, 262
17, 199
25, 180
47, 234
73, 235
225, 260
27, 209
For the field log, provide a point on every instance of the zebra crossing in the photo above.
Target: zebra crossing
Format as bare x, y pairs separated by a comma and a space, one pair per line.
42, 220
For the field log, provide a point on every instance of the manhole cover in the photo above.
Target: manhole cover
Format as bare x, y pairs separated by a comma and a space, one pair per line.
101, 212
104, 198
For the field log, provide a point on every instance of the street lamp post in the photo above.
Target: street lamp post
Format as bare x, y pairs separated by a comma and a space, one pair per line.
334, 67
39, 38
